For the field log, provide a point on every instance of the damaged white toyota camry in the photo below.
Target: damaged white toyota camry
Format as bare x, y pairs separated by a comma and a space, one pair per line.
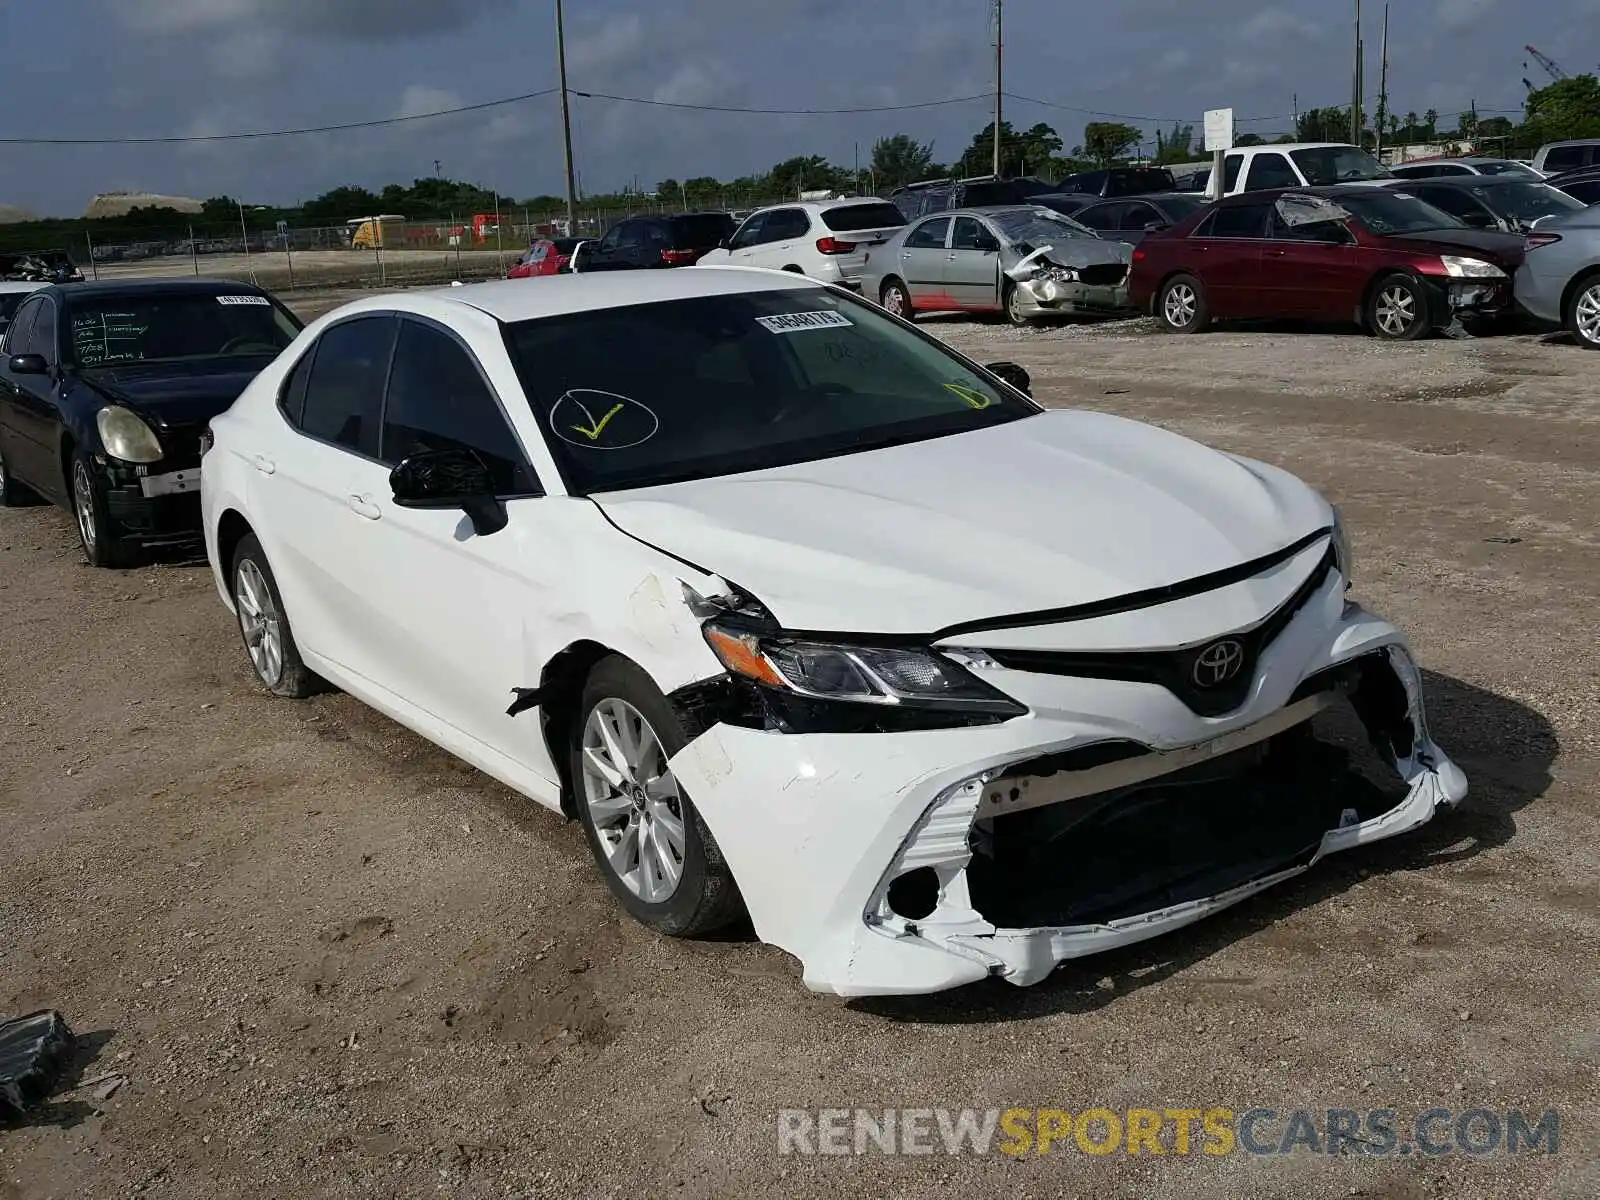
803, 614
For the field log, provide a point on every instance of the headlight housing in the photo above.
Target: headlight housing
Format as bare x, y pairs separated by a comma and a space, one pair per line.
1054, 274
1458, 267
1343, 560
902, 678
125, 435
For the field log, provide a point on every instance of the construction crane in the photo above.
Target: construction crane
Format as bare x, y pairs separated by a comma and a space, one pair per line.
1550, 65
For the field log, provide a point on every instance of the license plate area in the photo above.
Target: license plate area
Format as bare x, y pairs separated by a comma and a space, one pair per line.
173, 483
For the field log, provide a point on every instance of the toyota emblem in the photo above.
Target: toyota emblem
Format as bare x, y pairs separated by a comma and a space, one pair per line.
1218, 663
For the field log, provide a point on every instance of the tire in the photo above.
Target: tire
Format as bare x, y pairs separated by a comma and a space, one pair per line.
1397, 310
101, 546
1583, 313
895, 299
1013, 308
12, 493
1181, 305
264, 625
621, 807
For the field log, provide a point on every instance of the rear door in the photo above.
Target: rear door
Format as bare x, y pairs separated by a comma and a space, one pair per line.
972, 267
34, 402
783, 238
1227, 247
922, 260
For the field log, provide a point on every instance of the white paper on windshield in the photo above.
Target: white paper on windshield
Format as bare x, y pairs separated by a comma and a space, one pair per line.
243, 300
798, 322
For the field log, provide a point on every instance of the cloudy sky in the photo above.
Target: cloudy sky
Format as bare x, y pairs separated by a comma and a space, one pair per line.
131, 68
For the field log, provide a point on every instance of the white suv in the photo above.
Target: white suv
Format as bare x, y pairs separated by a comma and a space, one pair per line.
825, 239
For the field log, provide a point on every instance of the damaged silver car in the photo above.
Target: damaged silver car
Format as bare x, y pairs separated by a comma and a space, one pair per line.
1026, 261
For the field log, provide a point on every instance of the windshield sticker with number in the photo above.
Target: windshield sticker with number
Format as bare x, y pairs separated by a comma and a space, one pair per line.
798, 322
592, 419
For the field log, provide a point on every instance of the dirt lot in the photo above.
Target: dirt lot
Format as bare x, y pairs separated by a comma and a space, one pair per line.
332, 961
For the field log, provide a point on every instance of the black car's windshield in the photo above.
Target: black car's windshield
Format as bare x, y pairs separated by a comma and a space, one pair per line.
149, 328
1526, 202
1337, 164
1039, 228
716, 385
1178, 207
1397, 213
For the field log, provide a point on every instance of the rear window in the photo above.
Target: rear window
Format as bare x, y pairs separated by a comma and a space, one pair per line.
862, 216
1135, 181
1002, 191
1565, 158
701, 231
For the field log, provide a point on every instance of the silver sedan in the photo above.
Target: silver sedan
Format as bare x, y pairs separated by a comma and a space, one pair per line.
1559, 280
1025, 261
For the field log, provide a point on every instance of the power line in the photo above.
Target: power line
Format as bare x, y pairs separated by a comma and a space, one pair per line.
783, 112
272, 133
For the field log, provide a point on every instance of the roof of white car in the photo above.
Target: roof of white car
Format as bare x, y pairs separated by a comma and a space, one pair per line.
512, 300
20, 285
822, 205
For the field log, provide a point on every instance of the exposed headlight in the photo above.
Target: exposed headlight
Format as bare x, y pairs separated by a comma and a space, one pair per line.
1469, 268
898, 676
1057, 274
125, 436
1343, 560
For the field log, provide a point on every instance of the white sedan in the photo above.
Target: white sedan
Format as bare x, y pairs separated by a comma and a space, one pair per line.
802, 614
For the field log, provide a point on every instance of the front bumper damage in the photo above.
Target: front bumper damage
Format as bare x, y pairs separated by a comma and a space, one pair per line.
895, 863
1053, 292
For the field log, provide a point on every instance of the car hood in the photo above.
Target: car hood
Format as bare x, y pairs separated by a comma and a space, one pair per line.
1047, 512
1067, 252
1504, 249
176, 395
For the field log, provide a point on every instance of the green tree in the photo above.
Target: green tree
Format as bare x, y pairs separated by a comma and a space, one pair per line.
899, 160
1569, 108
805, 173
1105, 141
1430, 125
339, 205
1249, 139
703, 191
669, 189
1177, 146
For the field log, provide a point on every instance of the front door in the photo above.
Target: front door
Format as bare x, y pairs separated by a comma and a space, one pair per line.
24, 401
972, 268
1311, 269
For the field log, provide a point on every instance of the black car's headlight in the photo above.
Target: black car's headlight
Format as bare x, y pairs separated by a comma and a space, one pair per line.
891, 678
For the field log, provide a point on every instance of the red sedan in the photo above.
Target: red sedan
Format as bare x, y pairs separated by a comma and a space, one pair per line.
547, 256
1394, 265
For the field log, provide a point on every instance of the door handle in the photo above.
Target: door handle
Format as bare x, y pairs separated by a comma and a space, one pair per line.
362, 506
263, 464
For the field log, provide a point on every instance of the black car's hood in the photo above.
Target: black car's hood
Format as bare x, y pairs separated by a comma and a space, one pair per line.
1503, 249
176, 394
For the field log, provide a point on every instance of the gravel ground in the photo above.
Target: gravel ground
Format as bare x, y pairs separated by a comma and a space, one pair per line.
330, 961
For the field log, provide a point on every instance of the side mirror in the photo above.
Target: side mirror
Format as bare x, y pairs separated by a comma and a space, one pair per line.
449, 479
29, 364
579, 252
1014, 374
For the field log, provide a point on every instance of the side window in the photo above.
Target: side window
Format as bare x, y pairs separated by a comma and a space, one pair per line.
1452, 169
786, 223
438, 400
929, 235
1455, 201
1100, 217
344, 396
1331, 233
749, 233
1230, 171
1241, 221
19, 336
1270, 171
1208, 224
1564, 158
292, 396
1139, 216
936, 199
1587, 191
971, 235
44, 333
613, 237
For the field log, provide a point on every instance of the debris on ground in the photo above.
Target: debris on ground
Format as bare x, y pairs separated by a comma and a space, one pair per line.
34, 1051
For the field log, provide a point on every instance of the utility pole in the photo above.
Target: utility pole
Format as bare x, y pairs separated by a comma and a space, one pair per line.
999, 79
1355, 85
1383, 81
566, 121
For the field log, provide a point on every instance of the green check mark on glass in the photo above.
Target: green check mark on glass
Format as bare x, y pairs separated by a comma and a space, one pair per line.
599, 426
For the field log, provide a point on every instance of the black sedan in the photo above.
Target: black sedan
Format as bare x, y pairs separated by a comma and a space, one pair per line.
1129, 218
1582, 184
1508, 203
105, 392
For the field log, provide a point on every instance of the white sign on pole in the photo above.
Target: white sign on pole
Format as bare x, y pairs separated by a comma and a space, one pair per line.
1219, 129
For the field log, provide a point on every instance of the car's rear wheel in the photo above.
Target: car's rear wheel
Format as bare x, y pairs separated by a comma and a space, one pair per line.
1181, 306
1397, 310
896, 299
96, 533
264, 624
656, 853
1583, 313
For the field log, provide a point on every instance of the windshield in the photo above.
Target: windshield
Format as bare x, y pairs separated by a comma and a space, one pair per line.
1002, 191
1526, 202
150, 328
852, 218
1337, 164
716, 385
9, 303
1038, 228
1397, 213
1179, 206
1507, 168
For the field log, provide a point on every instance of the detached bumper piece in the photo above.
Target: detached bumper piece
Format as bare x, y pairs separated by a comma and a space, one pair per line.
34, 1052
1054, 858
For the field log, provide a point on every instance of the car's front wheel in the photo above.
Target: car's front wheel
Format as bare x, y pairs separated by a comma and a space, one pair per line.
1583, 313
96, 533
264, 624
1181, 306
657, 855
1397, 310
1013, 306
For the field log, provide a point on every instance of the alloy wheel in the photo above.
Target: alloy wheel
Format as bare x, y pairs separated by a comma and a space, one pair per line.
1014, 307
894, 302
260, 622
1180, 305
83, 502
633, 800
1396, 310
1587, 314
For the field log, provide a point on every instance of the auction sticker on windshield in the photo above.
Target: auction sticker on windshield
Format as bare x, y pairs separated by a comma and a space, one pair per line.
243, 300
796, 322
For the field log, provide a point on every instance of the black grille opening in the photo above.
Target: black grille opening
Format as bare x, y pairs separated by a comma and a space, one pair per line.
1102, 274
1186, 836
